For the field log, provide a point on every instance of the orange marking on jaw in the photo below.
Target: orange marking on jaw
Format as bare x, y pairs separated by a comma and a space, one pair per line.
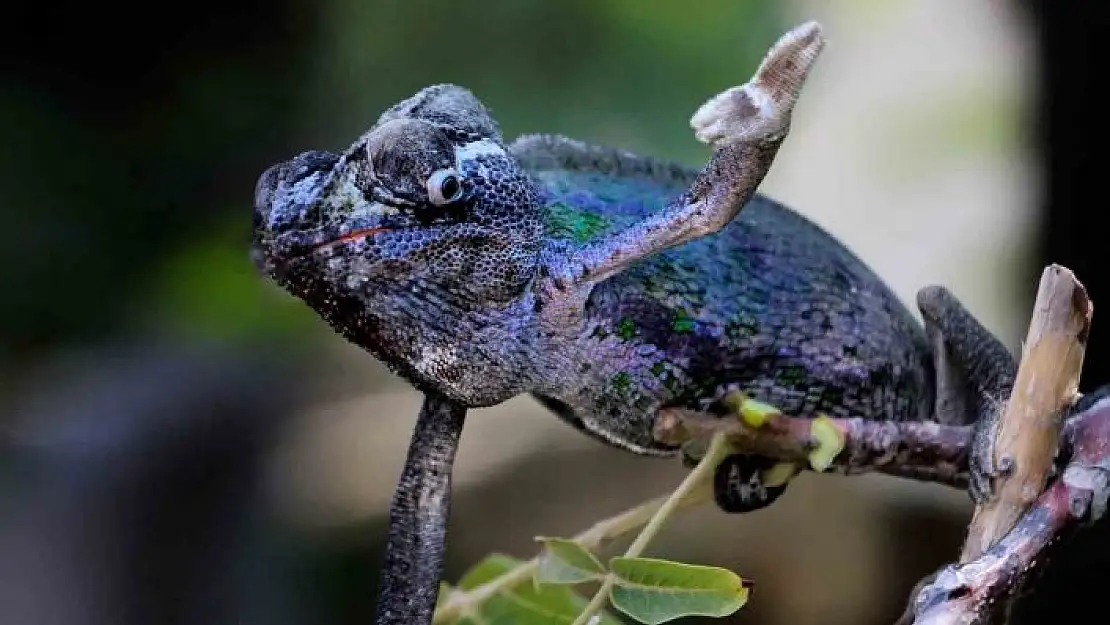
355, 236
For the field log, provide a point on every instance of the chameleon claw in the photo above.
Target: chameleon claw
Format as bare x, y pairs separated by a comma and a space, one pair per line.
754, 414
983, 470
761, 108
830, 442
787, 64
779, 474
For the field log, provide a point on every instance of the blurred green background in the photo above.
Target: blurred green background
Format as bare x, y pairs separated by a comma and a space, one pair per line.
129, 183
184, 443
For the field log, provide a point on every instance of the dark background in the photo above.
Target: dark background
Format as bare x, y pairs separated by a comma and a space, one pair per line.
156, 395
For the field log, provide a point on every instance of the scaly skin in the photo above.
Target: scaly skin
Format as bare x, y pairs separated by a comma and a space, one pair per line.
771, 305
607, 285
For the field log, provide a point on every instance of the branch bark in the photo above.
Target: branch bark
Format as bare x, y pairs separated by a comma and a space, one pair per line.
1010, 531
1029, 430
980, 590
929, 452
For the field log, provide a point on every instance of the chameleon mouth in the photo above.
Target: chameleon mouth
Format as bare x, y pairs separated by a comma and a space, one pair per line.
352, 236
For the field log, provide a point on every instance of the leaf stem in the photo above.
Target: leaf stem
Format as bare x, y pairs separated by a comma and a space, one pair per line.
460, 602
718, 449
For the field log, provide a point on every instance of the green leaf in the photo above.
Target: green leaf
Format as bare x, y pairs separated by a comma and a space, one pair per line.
564, 561
656, 591
524, 604
445, 591
490, 568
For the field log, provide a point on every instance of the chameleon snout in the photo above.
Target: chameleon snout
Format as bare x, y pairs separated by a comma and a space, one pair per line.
285, 191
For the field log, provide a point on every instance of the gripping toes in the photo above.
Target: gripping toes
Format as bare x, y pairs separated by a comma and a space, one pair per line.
975, 374
761, 108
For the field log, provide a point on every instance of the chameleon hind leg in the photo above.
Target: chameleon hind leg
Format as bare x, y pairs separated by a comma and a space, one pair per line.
974, 375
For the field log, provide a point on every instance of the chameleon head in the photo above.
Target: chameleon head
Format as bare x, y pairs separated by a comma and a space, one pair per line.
429, 196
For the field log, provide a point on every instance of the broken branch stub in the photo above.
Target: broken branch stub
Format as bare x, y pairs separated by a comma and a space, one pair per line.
1028, 433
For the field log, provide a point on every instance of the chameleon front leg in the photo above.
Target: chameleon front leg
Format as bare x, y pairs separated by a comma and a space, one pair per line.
975, 373
418, 517
745, 125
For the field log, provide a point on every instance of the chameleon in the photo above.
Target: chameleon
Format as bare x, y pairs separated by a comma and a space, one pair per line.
607, 285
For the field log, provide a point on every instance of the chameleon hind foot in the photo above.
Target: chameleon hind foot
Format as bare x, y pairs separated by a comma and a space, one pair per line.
745, 483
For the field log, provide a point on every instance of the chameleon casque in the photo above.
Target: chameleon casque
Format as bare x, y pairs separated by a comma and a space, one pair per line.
607, 285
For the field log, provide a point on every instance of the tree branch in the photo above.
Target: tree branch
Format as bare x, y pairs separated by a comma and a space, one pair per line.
929, 452
1011, 530
979, 590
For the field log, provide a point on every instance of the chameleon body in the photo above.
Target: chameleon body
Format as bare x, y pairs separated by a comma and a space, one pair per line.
609, 286
771, 305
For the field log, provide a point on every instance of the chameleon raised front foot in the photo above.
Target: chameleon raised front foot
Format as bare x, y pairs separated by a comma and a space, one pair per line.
761, 108
746, 126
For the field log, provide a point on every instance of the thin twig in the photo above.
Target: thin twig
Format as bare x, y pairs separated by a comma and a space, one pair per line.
698, 476
929, 452
602, 532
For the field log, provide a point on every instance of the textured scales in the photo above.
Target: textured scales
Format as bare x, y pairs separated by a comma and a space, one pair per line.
771, 305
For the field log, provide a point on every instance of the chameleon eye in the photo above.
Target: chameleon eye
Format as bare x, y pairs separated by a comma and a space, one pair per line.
444, 187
